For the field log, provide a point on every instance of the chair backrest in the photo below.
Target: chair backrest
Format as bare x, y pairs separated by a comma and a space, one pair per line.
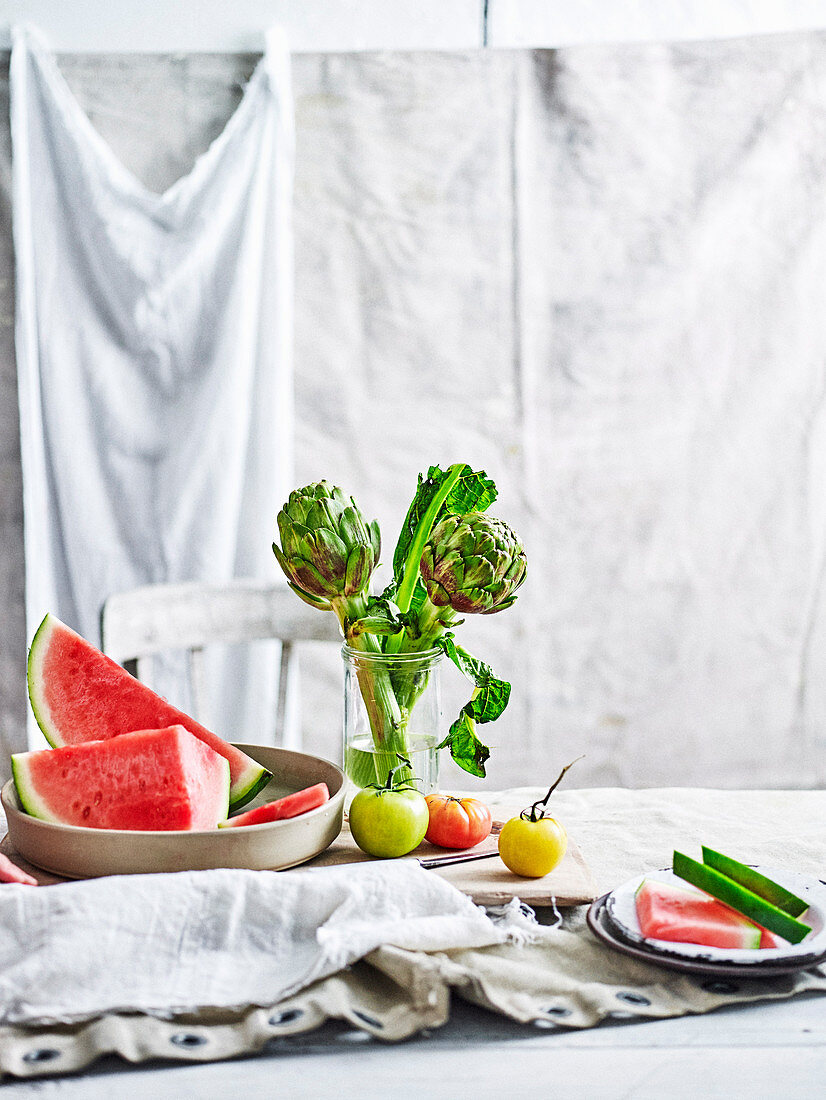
142, 622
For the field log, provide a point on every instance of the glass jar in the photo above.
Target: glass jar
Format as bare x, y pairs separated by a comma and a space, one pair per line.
392, 713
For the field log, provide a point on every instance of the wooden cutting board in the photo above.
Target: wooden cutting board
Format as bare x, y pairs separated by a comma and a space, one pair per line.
486, 881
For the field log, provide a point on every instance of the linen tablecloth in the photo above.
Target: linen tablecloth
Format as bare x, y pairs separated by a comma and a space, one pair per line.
557, 975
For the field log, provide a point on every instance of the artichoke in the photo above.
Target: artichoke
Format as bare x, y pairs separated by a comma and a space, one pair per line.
328, 550
473, 563
466, 562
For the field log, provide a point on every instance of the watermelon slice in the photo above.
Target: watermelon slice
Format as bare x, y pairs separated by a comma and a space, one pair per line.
672, 913
149, 779
10, 872
753, 880
78, 694
291, 805
738, 897
771, 939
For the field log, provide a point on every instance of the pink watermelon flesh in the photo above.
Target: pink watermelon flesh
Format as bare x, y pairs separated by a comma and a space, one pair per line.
149, 779
10, 872
78, 694
667, 912
291, 805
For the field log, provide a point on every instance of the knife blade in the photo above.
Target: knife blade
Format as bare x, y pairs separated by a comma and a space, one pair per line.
459, 857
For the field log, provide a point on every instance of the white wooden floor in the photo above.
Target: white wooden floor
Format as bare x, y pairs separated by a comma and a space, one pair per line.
759, 1052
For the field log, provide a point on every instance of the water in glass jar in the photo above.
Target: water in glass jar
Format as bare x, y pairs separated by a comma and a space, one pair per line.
364, 764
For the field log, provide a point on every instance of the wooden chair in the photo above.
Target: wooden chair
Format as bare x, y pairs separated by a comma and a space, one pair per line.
151, 619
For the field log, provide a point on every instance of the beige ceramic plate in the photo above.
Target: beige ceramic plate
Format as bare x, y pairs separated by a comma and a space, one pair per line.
76, 852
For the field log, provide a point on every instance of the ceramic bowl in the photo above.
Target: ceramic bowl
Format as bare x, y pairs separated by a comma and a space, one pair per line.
76, 852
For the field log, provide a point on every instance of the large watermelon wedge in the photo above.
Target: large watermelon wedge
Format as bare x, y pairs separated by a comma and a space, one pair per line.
79, 694
151, 779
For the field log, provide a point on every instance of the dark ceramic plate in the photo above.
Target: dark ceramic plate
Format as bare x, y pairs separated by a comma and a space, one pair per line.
604, 928
621, 913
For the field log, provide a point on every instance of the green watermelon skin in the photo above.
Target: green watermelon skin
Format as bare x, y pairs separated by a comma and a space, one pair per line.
672, 913
79, 694
739, 898
158, 779
753, 880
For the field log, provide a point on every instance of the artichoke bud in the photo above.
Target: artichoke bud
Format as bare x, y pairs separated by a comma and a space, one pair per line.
473, 563
479, 573
358, 569
327, 549
282, 561
291, 534
312, 580
352, 526
330, 553
375, 540
313, 601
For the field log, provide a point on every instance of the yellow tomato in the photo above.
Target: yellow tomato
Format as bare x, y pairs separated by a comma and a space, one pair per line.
532, 848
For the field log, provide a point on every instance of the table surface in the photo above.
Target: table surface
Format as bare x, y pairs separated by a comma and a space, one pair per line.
760, 1050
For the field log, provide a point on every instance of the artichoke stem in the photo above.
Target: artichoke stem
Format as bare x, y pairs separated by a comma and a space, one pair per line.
388, 721
432, 623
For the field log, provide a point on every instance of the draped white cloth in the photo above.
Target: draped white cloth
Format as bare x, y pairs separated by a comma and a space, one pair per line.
164, 943
153, 338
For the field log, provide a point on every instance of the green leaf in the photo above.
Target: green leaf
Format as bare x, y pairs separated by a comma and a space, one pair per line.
491, 695
457, 490
465, 747
489, 699
473, 492
467, 492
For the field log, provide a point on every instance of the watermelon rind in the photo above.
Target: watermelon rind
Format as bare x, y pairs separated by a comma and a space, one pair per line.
744, 901
248, 776
753, 880
29, 800
222, 798
40, 708
242, 795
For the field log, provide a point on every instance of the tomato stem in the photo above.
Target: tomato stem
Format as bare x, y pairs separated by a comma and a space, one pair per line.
393, 784
531, 813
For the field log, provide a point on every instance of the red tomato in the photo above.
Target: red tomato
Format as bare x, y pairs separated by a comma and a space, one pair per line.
456, 822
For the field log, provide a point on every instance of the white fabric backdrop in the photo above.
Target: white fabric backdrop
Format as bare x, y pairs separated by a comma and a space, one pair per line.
595, 272
154, 342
